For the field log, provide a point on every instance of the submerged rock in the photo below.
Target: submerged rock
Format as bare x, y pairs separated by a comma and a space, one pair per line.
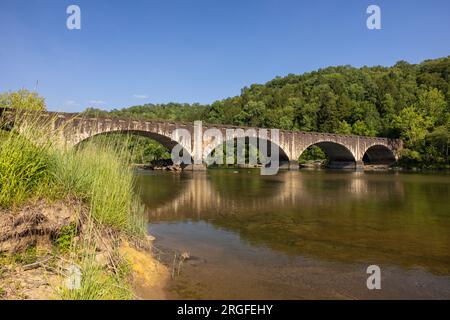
164, 164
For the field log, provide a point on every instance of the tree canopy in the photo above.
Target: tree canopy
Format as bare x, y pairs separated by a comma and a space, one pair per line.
22, 99
408, 101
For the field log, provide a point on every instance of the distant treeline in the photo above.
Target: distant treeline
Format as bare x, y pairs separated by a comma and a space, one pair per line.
408, 101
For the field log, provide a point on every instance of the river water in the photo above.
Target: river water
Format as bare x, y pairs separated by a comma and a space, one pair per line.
300, 234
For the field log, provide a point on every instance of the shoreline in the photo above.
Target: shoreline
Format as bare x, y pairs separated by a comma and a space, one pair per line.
368, 168
34, 266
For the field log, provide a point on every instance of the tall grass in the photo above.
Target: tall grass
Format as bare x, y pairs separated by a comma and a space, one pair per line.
35, 164
24, 169
100, 175
96, 284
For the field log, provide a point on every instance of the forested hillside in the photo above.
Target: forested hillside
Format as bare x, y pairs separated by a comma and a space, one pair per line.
408, 101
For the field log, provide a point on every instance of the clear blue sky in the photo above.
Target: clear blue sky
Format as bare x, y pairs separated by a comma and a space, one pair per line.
133, 52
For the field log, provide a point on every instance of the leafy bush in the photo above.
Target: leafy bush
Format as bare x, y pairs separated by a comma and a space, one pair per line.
22, 99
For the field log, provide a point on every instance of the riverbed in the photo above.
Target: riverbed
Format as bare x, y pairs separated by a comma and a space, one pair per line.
308, 234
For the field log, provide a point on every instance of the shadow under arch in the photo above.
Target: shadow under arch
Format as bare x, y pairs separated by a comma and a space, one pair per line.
165, 141
379, 154
339, 156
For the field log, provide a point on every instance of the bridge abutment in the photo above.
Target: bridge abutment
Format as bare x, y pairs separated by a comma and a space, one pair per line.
359, 165
294, 165
289, 165
342, 165
195, 167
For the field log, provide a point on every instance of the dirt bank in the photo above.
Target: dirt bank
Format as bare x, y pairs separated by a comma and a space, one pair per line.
36, 252
149, 276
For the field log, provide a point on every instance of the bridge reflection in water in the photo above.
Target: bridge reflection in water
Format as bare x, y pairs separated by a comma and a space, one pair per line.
330, 215
204, 195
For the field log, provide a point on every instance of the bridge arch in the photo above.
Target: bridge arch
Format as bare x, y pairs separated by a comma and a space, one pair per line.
166, 141
339, 155
282, 154
378, 154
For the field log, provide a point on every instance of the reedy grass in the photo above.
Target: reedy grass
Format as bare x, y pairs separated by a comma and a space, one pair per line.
96, 282
101, 177
35, 164
24, 168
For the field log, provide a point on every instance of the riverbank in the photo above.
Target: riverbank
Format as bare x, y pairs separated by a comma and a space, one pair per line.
41, 243
65, 216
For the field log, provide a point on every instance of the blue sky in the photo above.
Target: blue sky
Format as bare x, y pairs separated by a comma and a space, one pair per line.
133, 52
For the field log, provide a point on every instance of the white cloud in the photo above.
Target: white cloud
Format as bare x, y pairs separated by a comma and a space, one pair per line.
97, 102
140, 96
71, 103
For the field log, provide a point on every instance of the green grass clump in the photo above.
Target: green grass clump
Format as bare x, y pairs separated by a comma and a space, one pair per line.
65, 237
96, 284
101, 176
24, 168
34, 165
27, 257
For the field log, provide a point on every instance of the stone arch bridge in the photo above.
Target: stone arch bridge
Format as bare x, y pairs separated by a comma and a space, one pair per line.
343, 151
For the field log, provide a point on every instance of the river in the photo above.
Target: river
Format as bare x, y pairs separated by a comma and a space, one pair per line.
300, 234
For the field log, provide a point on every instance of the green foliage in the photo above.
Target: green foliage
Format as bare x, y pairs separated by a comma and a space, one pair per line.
312, 153
344, 128
432, 105
361, 129
140, 149
412, 126
29, 256
32, 167
22, 99
248, 152
24, 167
100, 175
170, 111
403, 101
96, 284
65, 237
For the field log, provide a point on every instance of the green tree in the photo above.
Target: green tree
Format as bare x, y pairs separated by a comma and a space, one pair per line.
408, 101
431, 104
412, 125
344, 128
360, 128
328, 115
22, 99
439, 141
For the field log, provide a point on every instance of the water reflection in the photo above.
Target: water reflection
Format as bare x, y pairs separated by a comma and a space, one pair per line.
223, 192
350, 217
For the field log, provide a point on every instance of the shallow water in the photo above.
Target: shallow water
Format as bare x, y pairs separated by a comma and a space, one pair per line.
302, 234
